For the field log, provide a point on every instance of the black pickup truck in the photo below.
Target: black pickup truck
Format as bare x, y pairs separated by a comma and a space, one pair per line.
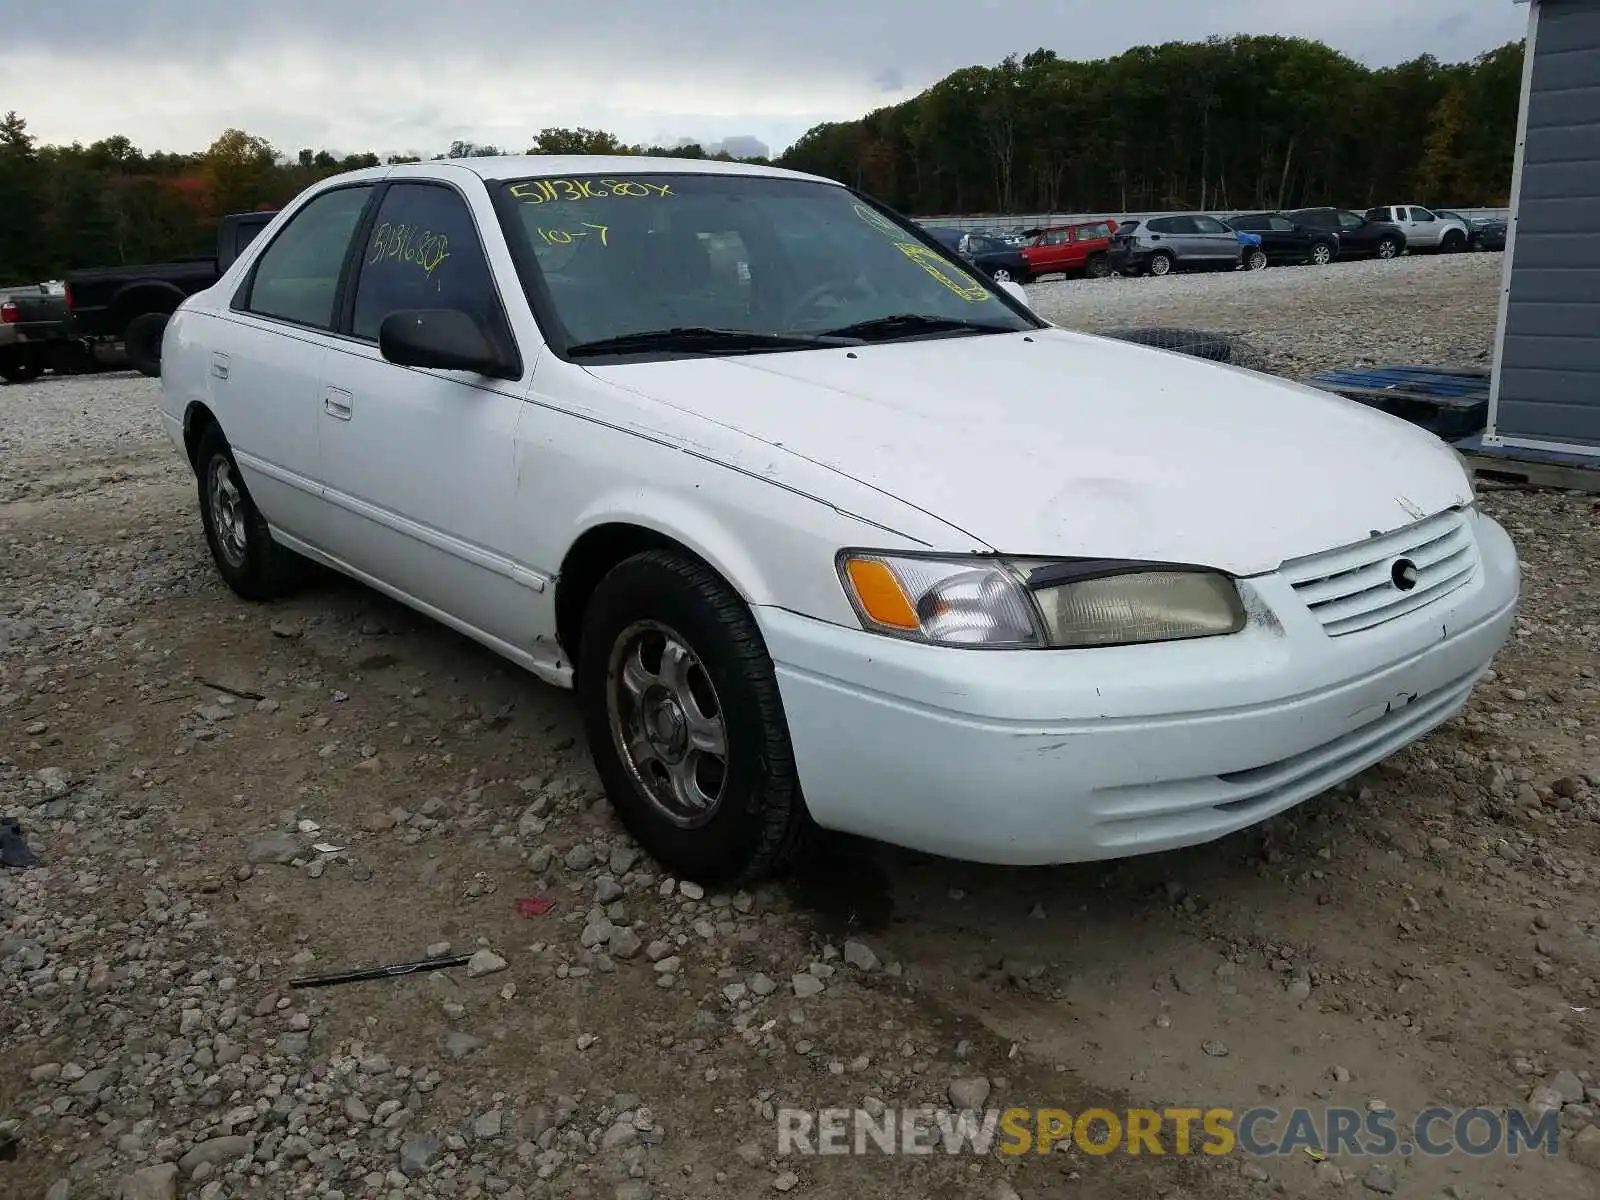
131, 304
34, 332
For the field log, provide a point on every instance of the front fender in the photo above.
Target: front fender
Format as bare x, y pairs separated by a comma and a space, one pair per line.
693, 526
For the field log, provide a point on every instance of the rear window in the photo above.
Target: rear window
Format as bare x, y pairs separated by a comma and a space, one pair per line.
1127, 226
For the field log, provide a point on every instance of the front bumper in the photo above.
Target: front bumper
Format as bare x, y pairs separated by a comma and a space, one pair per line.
1038, 756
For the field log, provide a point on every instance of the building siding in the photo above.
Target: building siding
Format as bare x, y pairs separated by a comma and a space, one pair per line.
1549, 385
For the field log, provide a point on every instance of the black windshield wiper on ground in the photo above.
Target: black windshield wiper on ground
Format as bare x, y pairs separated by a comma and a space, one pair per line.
880, 329
702, 339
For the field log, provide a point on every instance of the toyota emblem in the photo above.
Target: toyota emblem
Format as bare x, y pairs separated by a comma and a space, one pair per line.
1403, 574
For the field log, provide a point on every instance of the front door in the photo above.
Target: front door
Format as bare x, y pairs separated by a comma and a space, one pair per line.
1213, 242
1052, 252
420, 465
1424, 228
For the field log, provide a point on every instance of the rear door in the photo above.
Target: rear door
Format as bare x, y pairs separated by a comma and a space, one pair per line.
264, 358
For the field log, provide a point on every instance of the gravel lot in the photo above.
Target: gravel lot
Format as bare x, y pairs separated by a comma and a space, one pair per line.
1427, 935
1437, 309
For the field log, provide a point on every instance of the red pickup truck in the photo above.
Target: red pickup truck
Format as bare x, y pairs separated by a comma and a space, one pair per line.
1069, 249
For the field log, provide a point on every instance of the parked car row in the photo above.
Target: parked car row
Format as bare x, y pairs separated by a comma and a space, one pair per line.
1201, 242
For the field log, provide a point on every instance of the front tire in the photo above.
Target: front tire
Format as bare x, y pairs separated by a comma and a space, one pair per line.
1256, 260
685, 723
1388, 248
247, 558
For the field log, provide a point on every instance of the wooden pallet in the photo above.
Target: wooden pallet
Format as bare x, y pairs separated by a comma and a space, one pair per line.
1449, 401
1509, 466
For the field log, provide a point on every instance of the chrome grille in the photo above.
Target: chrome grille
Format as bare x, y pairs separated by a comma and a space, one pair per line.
1351, 588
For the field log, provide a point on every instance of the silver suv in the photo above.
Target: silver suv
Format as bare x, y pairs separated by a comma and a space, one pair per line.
1159, 245
1424, 228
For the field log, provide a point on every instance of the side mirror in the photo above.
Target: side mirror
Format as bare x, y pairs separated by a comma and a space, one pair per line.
1017, 292
443, 339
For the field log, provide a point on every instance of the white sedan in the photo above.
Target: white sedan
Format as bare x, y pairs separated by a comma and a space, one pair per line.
824, 529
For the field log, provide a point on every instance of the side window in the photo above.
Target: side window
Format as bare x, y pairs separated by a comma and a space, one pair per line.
423, 252
1167, 225
1283, 224
1350, 221
1422, 214
1248, 224
1058, 237
1378, 214
295, 280
1209, 225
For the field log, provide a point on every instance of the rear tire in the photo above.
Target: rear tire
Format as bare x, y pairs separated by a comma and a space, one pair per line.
249, 561
1097, 266
697, 763
1321, 254
1160, 263
142, 341
1453, 242
20, 367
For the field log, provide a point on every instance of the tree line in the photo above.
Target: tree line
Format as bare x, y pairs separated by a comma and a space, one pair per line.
110, 203
1241, 122
1228, 123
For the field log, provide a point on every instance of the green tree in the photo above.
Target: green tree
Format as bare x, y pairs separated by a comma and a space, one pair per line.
242, 171
23, 245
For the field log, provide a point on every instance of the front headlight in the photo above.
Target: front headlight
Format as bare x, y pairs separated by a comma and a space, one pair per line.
1007, 603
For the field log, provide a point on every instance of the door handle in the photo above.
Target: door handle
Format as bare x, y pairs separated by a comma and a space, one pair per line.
219, 365
338, 403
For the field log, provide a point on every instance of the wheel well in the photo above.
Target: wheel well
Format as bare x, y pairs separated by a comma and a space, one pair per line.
197, 418
587, 562
142, 300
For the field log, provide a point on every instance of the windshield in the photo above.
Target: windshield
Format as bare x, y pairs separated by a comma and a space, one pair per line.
626, 255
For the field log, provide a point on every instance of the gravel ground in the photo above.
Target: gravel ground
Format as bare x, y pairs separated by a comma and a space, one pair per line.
1437, 309
1426, 935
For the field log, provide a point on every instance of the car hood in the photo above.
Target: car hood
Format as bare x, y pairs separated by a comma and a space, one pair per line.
1058, 443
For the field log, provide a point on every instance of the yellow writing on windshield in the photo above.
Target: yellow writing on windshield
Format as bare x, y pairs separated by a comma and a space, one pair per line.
879, 222
543, 191
565, 237
937, 266
408, 244
931, 261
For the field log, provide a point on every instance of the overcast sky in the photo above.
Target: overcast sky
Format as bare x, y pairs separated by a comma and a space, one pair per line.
413, 75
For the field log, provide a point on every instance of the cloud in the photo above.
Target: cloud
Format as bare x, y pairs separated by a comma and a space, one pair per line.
890, 79
414, 75
741, 145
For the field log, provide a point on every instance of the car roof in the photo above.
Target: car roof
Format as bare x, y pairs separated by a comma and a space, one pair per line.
520, 166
